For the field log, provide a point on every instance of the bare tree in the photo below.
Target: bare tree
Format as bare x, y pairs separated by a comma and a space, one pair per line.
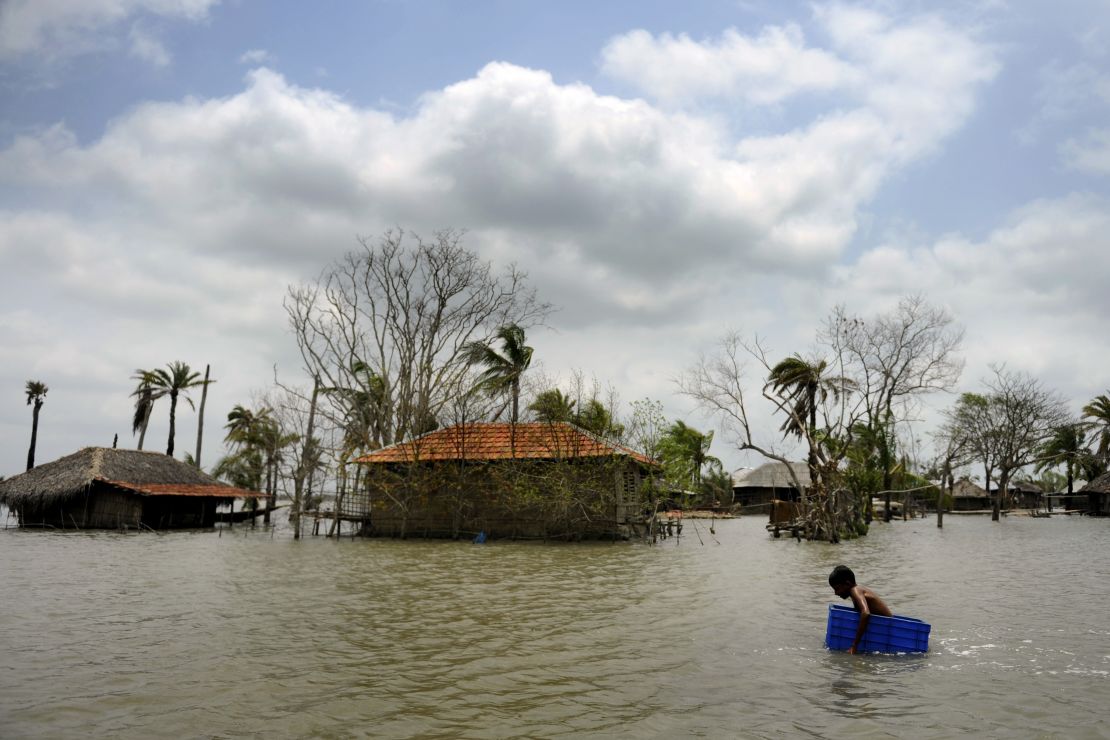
718, 384
391, 320
1008, 426
895, 358
954, 447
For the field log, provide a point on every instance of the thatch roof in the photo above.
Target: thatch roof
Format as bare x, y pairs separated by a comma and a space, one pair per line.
1100, 484
501, 441
135, 471
771, 475
964, 488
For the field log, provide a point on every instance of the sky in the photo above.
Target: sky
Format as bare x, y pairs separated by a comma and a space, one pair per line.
665, 173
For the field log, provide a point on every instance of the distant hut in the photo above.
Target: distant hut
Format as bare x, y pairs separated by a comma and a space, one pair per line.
1098, 495
755, 488
966, 496
1025, 495
528, 480
102, 488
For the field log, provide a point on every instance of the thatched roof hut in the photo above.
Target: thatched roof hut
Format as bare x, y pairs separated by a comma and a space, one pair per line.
1098, 495
756, 488
99, 487
967, 496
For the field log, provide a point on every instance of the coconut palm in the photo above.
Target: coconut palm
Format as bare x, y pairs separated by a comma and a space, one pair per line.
259, 443
804, 387
551, 406
246, 465
502, 369
1068, 446
145, 394
594, 417
685, 451
174, 381
1098, 411
36, 397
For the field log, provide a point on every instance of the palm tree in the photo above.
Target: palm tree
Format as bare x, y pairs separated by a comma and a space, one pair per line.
1098, 410
502, 369
804, 387
685, 451
173, 381
594, 417
36, 397
551, 406
145, 394
258, 438
1067, 445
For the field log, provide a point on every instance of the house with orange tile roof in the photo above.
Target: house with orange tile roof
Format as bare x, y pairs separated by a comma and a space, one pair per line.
524, 480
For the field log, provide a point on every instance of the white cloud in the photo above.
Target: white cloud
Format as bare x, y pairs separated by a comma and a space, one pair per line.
256, 56
147, 47
1089, 153
55, 29
174, 234
1032, 292
764, 69
916, 79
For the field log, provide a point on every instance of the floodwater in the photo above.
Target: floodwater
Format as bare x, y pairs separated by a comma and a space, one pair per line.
247, 633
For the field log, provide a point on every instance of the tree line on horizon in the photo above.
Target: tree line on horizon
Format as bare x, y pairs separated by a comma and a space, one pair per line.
403, 336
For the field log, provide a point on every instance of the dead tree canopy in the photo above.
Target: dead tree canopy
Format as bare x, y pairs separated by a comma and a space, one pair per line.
384, 327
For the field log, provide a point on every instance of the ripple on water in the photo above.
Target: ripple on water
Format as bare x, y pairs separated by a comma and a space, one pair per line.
248, 633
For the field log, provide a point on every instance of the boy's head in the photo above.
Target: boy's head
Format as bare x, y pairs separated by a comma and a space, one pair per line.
842, 579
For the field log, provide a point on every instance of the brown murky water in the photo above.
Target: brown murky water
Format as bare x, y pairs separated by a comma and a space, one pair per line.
252, 634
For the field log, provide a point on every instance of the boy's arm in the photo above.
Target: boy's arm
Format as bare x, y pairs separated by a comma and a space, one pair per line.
860, 603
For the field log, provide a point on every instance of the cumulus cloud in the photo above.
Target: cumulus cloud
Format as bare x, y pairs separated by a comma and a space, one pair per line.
1089, 153
148, 47
651, 224
627, 188
256, 56
764, 69
917, 77
642, 204
1030, 290
59, 28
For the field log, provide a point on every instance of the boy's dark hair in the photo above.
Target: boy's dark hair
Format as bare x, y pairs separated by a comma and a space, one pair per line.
842, 574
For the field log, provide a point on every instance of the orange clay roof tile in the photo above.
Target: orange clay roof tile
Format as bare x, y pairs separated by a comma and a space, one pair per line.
184, 489
494, 441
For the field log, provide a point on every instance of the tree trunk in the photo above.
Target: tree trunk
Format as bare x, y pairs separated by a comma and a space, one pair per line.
512, 428
173, 422
996, 501
945, 482
200, 414
1003, 487
146, 423
34, 434
302, 469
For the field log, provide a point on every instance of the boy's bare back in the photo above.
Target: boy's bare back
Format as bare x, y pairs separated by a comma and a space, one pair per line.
875, 605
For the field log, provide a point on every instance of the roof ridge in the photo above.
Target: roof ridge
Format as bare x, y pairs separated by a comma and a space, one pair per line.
97, 461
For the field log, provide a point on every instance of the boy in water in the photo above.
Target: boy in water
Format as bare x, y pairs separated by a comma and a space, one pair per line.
865, 601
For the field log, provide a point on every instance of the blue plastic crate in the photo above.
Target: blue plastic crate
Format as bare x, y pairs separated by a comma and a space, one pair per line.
884, 634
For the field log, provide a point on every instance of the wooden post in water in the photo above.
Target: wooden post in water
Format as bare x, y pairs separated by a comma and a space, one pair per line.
200, 414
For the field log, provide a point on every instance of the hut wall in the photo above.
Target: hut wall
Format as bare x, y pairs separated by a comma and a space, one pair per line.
176, 512
757, 499
970, 503
95, 509
522, 500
